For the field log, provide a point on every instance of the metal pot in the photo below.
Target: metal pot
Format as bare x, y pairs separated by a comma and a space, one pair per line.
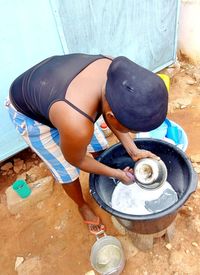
150, 173
107, 255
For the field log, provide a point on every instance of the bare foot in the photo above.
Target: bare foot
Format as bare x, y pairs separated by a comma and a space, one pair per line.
87, 213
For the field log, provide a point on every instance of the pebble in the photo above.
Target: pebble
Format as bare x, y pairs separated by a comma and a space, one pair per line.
91, 272
34, 156
7, 166
195, 244
195, 158
19, 260
190, 82
18, 165
168, 246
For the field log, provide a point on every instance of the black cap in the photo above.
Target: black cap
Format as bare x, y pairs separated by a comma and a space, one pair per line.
137, 97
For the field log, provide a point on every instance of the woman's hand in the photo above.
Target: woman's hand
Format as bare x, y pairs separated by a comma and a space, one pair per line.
126, 176
140, 154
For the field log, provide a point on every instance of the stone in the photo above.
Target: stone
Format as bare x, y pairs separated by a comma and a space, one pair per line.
16, 160
7, 166
196, 76
186, 101
30, 266
195, 158
168, 246
42, 165
16, 204
91, 272
18, 166
195, 244
29, 164
197, 169
19, 260
190, 81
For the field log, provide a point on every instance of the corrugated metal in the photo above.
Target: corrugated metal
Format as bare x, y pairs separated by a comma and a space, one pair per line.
28, 35
143, 30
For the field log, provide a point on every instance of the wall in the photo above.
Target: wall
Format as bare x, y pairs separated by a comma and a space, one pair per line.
189, 30
28, 34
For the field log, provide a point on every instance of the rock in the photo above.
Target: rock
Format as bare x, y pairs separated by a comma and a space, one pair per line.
10, 172
16, 204
29, 164
190, 81
40, 205
18, 165
168, 246
197, 169
42, 165
19, 260
16, 160
196, 76
30, 266
195, 158
195, 244
184, 101
91, 272
7, 166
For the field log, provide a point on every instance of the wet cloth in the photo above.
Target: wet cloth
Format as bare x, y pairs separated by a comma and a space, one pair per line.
44, 141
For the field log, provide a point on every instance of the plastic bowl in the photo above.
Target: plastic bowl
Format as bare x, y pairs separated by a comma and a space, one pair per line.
161, 132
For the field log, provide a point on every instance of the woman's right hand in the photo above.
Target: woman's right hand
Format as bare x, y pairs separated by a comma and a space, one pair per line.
126, 176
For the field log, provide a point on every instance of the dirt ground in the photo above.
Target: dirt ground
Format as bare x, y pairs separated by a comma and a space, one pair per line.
50, 238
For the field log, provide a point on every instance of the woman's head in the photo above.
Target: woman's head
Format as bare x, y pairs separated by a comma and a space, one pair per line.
137, 97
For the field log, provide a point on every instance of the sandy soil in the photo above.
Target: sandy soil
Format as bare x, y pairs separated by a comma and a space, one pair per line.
51, 237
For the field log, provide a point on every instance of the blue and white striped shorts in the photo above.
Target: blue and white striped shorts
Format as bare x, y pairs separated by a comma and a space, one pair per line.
44, 141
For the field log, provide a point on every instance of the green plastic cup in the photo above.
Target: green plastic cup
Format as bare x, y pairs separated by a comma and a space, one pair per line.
21, 188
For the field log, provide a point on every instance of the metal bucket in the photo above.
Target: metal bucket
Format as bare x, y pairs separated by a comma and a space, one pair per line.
107, 256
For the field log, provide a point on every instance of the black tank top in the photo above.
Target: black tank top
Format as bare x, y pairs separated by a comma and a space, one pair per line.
34, 91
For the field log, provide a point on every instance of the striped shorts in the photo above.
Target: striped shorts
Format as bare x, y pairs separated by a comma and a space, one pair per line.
44, 141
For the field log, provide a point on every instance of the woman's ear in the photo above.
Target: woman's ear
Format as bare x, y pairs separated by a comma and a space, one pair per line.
111, 119
110, 115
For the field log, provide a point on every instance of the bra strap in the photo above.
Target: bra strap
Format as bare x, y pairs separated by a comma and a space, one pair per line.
78, 110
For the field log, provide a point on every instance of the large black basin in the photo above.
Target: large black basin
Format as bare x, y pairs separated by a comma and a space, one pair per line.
181, 176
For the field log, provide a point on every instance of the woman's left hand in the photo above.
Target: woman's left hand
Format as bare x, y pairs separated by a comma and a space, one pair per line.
140, 154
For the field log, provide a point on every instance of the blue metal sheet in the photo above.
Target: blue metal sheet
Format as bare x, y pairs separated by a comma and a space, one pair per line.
28, 35
143, 30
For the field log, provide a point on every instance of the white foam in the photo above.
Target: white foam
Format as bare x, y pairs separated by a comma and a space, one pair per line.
131, 199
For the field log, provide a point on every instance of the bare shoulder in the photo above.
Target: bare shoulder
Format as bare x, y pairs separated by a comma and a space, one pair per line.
69, 122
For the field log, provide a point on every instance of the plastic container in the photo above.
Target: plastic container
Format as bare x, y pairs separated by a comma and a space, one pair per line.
106, 130
107, 256
170, 132
181, 176
21, 188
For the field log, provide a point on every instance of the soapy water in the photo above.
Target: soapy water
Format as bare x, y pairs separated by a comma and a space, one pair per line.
134, 200
108, 258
